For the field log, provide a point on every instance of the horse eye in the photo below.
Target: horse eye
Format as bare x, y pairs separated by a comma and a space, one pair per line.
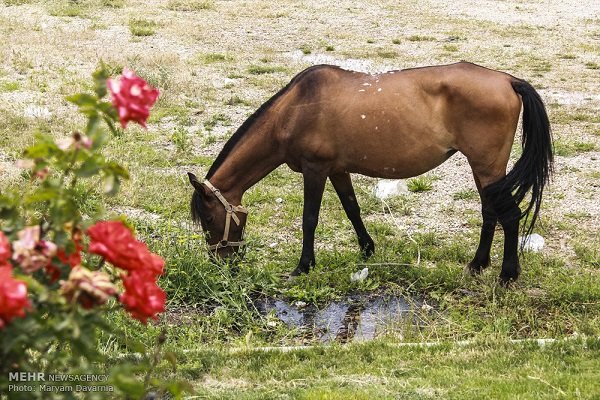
210, 219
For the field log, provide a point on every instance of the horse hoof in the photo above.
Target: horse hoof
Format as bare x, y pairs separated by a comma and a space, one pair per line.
473, 269
367, 250
298, 271
506, 281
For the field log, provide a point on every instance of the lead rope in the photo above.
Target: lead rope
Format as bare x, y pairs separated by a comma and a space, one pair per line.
231, 214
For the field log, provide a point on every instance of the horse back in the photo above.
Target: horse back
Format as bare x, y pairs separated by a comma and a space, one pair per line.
398, 123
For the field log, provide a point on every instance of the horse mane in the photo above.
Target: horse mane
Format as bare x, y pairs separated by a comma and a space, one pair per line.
241, 131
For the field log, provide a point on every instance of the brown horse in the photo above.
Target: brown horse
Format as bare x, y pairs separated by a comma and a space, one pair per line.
330, 122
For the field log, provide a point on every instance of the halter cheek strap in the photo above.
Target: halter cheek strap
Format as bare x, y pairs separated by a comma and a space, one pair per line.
231, 215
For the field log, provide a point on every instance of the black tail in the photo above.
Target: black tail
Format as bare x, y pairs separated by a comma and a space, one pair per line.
534, 168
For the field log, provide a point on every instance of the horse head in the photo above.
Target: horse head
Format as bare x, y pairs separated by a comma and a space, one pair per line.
223, 223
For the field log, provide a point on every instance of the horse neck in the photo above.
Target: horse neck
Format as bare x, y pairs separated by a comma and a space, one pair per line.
253, 157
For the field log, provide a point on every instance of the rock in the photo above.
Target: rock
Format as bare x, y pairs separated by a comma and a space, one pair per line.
300, 304
279, 200
37, 112
360, 275
532, 242
390, 188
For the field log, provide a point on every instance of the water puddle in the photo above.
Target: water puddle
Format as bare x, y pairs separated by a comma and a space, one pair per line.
352, 319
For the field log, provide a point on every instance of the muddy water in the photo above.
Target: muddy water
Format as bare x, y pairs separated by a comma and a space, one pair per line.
352, 319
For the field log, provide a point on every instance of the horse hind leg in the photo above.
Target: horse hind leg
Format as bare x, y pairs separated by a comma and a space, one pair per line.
342, 184
509, 214
481, 259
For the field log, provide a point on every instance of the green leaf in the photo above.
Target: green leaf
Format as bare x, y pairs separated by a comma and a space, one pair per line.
83, 99
111, 184
171, 358
92, 126
89, 168
41, 195
100, 76
117, 169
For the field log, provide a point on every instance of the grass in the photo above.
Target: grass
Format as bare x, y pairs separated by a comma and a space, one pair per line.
142, 27
493, 369
9, 86
212, 58
65, 8
421, 38
264, 69
592, 65
212, 305
305, 49
420, 184
190, 5
113, 3
569, 149
217, 119
468, 194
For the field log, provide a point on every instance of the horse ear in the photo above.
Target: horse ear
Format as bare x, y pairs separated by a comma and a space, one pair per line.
195, 182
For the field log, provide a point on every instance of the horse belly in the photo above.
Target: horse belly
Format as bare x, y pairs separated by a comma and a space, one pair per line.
394, 162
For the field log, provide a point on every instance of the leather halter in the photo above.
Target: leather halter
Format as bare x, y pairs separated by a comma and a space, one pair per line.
231, 210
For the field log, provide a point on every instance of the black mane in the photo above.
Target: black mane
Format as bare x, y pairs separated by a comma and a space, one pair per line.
235, 138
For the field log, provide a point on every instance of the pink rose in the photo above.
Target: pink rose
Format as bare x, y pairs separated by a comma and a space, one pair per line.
30, 252
89, 288
13, 296
142, 296
4, 249
115, 242
132, 97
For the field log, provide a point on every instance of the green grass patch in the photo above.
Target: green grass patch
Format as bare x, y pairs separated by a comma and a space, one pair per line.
421, 38
468, 194
211, 58
422, 183
237, 100
569, 149
493, 370
9, 86
217, 119
142, 27
190, 5
305, 49
63, 8
592, 65
18, 2
567, 56
113, 3
387, 53
264, 69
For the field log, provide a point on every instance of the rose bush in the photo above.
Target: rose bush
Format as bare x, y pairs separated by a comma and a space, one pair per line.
61, 272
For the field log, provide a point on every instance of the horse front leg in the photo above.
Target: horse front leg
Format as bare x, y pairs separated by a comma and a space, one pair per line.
314, 185
342, 184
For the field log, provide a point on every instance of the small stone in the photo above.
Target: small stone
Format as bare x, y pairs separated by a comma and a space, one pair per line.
390, 188
272, 245
37, 112
279, 200
532, 242
360, 275
300, 304
426, 307
271, 324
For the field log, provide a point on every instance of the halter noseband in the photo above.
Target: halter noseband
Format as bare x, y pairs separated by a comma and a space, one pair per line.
231, 210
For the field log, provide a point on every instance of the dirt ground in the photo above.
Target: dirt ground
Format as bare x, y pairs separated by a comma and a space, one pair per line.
202, 55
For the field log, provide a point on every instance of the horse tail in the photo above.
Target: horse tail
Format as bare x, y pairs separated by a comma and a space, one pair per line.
533, 169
